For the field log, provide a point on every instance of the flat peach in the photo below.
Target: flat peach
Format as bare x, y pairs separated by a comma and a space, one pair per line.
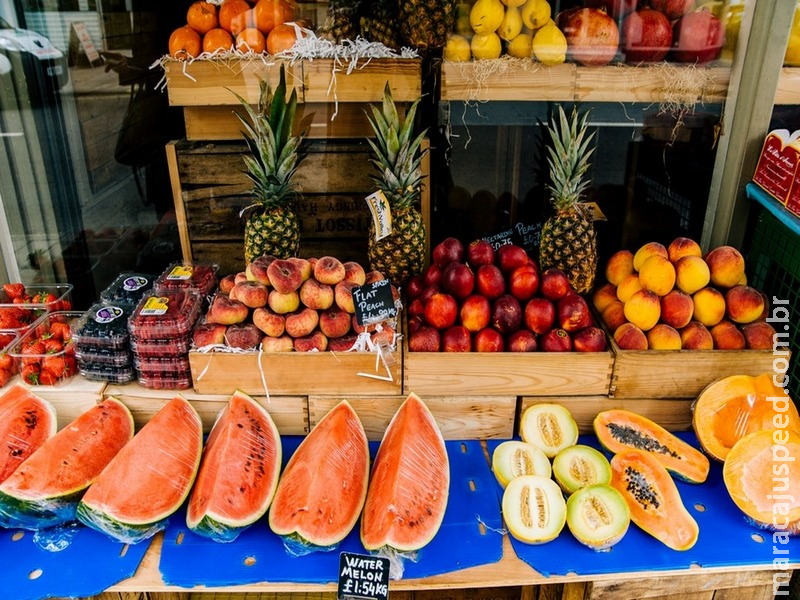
657, 275
628, 287
663, 337
646, 251
691, 274
683, 246
709, 306
643, 309
619, 266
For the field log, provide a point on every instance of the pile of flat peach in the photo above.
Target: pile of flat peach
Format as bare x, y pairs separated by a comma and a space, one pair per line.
674, 297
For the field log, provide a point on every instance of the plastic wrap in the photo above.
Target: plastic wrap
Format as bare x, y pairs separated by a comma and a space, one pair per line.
8, 367
200, 278
45, 355
31, 302
103, 327
169, 315
148, 480
26, 422
128, 288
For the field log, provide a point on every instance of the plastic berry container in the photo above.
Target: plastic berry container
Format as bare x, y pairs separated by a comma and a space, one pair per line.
177, 365
8, 366
103, 357
200, 278
167, 315
104, 326
127, 288
18, 313
45, 355
112, 374
164, 381
161, 348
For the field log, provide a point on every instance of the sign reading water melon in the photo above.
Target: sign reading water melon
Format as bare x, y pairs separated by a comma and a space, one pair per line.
363, 576
374, 302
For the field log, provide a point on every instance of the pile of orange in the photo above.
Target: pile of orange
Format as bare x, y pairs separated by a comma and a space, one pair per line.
262, 26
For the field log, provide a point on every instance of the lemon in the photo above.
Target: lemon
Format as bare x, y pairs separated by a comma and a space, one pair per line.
520, 46
457, 49
486, 16
463, 26
514, 3
550, 45
511, 26
536, 13
486, 45
792, 56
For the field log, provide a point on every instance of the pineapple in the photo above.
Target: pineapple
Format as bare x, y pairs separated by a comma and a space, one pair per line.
568, 239
380, 23
342, 21
271, 225
424, 24
397, 158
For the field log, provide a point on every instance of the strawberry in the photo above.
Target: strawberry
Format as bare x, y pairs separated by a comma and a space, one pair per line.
60, 331
52, 345
30, 374
44, 298
5, 377
6, 362
55, 365
47, 378
14, 290
70, 366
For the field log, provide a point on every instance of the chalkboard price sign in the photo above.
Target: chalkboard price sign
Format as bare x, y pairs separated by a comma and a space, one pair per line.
363, 576
374, 302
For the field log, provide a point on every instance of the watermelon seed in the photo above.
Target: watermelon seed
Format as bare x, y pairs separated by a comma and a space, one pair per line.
15, 451
35, 574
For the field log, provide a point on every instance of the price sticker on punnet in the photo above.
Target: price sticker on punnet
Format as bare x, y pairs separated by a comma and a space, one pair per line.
363, 576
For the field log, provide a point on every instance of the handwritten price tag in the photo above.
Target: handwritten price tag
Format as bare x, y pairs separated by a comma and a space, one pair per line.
363, 576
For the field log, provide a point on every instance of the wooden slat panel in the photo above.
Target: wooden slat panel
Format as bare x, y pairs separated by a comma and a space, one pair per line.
511, 80
459, 418
788, 91
763, 592
625, 589
622, 83
325, 81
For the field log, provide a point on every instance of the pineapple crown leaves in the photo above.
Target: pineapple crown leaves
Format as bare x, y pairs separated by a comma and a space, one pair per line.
568, 157
274, 153
396, 150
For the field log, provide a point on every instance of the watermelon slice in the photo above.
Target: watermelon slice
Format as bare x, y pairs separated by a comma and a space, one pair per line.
410, 482
149, 478
26, 421
322, 489
44, 491
239, 471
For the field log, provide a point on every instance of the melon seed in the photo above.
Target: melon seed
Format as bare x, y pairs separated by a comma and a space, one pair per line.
636, 439
550, 429
582, 470
522, 463
595, 513
641, 489
525, 507
541, 504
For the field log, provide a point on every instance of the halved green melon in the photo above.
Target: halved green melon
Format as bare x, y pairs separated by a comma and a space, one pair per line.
619, 430
149, 478
598, 516
514, 459
534, 509
548, 426
578, 466
26, 421
410, 482
238, 473
322, 489
45, 490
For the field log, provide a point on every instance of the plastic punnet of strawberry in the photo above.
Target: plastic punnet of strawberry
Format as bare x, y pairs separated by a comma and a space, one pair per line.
45, 355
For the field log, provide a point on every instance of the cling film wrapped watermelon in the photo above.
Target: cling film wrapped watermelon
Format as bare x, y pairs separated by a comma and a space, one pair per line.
26, 422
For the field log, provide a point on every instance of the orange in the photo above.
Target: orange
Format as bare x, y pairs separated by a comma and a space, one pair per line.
271, 13
250, 39
282, 37
202, 17
243, 20
184, 42
217, 39
228, 10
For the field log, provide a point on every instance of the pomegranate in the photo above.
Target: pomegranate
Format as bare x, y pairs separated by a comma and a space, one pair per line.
697, 37
672, 9
616, 8
592, 36
646, 36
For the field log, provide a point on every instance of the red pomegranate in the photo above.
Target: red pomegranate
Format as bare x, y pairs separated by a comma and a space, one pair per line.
592, 36
646, 36
697, 37
672, 9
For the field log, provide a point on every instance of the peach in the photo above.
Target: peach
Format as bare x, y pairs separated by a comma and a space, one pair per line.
270, 323
329, 270
305, 266
385, 335
727, 336
353, 271
603, 296
759, 335
614, 315
316, 295
302, 323
646, 251
695, 336
745, 304
629, 337
726, 264
257, 270
343, 295
227, 282
250, 293
709, 306
657, 275
414, 319
342, 344
475, 312
373, 276
677, 309
335, 322
764, 313
283, 343
628, 287
643, 309
619, 266
316, 341
683, 246
664, 337
691, 274
207, 334
226, 311
284, 275
241, 276
243, 335
283, 303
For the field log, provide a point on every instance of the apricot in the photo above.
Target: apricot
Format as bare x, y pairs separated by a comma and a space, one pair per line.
677, 309
614, 315
709, 306
603, 296
629, 337
695, 336
759, 335
691, 274
727, 336
619, 266
628, 287
657, 275
744, 304
646, 251
726, 265
664, 337
643, 309
683, 246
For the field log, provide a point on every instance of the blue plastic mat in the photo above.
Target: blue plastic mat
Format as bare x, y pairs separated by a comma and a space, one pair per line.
89, 564
725, 540
188, 560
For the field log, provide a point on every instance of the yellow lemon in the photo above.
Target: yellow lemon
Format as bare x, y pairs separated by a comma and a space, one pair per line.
486, 16
520, 46
550, 45
486, 45
457, 49
511, 26
535, 13
514, 3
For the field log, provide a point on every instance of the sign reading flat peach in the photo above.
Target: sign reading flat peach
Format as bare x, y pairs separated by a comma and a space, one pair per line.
777, 166
374, 302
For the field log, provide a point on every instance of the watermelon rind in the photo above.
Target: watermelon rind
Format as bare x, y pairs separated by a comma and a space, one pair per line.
127, 533
38, 514
211, 523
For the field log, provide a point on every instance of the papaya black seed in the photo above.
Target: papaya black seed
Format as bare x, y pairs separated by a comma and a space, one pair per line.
636, 439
